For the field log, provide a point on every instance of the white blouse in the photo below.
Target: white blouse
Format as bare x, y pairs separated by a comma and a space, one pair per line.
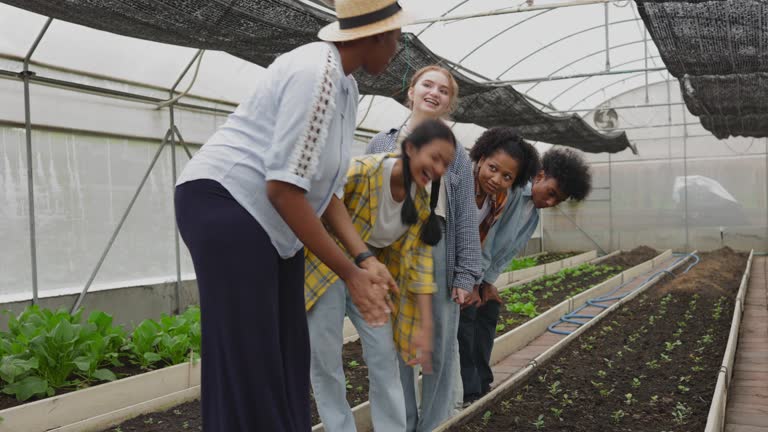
296, 127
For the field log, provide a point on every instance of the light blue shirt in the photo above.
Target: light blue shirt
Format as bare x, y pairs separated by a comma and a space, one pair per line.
296, 127
511, 232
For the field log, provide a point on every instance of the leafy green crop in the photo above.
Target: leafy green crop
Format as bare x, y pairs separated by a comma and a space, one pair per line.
44, 351
521, 263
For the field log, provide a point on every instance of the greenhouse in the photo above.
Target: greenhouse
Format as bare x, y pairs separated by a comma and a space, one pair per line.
641, 307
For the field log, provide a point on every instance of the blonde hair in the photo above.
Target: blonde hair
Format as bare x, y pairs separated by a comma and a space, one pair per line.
454, 86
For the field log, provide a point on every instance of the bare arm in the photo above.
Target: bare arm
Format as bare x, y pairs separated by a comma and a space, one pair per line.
292, 205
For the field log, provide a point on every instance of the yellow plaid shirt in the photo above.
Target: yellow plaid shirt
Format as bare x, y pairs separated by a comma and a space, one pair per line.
409, 259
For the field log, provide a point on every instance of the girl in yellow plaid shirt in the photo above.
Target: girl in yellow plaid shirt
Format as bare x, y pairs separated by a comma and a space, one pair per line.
387, 199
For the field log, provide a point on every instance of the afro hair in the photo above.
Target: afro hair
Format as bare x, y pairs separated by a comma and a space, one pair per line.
571, 171
508, 140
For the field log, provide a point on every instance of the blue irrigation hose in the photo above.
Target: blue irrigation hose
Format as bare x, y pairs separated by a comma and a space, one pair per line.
573, 316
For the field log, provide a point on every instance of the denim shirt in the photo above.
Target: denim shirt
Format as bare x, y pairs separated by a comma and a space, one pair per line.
296, 127
462, 236
510, 234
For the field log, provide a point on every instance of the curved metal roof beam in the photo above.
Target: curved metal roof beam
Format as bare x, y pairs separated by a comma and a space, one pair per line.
441, 16
587, 78
597, 27
605, 87
501, 33
598, 52
636, 88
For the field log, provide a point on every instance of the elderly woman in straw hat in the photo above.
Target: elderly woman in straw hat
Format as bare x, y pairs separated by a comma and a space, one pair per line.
253, 197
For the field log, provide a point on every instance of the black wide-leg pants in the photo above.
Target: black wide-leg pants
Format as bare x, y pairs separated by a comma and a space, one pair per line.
255, 342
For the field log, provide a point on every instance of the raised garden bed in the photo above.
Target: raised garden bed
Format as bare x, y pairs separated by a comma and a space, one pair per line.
538, 259
650, 365
56, 362
190, 391
526, 301
547, 266
357, 390
630, 258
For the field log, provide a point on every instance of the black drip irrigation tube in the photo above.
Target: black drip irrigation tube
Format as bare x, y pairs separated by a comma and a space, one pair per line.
574, 316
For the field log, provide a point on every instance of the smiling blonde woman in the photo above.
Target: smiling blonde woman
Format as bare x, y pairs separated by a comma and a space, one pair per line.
433, 94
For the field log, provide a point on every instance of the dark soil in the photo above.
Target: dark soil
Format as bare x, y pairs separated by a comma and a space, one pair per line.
550, 257
8, 401
632, 258
184, 417
549, 296
656, 361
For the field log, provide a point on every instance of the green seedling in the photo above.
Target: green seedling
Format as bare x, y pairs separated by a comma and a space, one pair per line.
558, 413
539, 423
617, 416
487, 417
680, 413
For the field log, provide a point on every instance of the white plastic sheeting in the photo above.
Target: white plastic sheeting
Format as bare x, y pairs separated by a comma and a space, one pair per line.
639, 199
90, 151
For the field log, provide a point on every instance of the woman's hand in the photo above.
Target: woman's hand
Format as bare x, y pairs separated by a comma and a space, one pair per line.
370, 295
376, 267
459, 296
422, 340
490, 293
473, 299
368, 290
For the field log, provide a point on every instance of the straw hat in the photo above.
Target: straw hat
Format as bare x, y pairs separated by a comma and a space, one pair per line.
360, 18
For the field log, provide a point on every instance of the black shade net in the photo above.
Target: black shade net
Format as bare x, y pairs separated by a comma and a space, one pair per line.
260, 30
718, 50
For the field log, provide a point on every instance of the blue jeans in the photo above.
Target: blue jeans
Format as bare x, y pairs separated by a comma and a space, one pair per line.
326, 321
438, 388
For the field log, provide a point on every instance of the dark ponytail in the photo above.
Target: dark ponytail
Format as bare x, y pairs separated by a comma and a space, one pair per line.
431, 232
408, 215
421, 135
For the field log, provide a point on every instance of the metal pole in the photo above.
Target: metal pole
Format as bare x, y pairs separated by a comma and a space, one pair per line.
580, 229
541, 238
184, 72
650, 105
182, 142
120, 224
685, 177
669, 122
608, 41
84, 88
561, 39
645, 48
581, 75
177, 289
30, 175
173, 130
517, 9
610, 205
